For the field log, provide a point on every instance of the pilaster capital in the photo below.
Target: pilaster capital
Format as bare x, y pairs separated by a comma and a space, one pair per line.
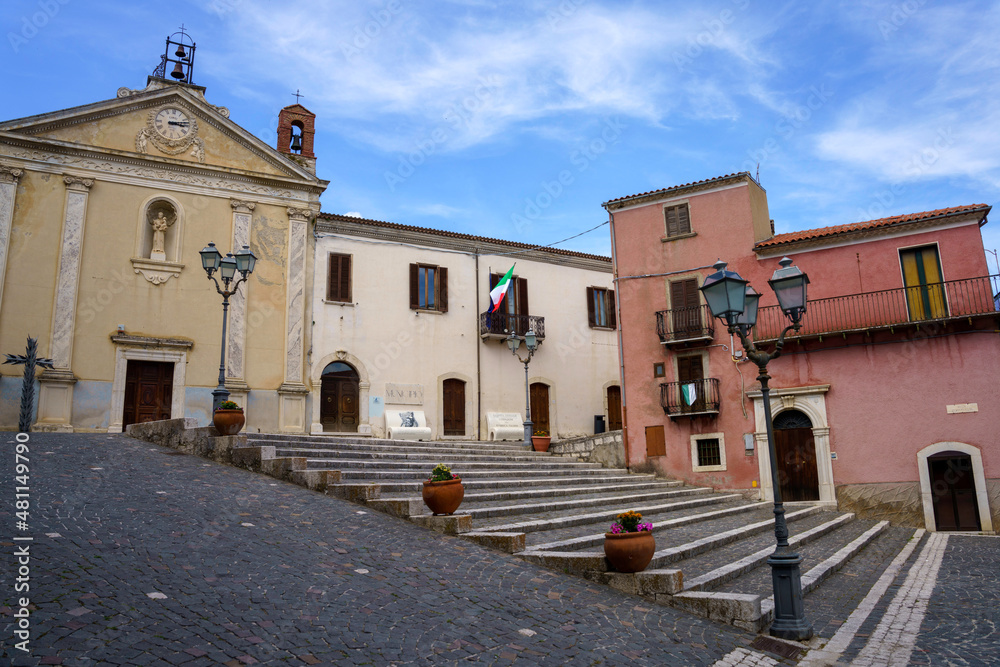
78, 183
9, 174
240, 206
300, 214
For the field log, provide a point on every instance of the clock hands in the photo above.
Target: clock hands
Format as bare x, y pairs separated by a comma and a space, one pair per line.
180, 123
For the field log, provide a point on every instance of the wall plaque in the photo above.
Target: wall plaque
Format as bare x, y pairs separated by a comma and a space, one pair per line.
404, 394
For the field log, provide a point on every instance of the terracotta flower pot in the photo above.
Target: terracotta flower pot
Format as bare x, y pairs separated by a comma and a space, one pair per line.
540, 443
444, 497
629, 552
229, 422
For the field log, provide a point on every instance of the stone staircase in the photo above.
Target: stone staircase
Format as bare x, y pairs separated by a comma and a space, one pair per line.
551, 510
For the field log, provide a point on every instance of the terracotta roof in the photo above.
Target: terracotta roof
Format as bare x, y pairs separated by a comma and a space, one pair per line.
679, 187
456, 235
881, 223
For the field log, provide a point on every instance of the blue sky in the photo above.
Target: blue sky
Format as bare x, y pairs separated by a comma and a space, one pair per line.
517, 120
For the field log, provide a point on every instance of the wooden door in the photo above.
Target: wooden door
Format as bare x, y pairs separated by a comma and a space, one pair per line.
614, 408
453, 393
689, 371
953, 491
540, 407
685, 306
149, 387
339, 409
798, 477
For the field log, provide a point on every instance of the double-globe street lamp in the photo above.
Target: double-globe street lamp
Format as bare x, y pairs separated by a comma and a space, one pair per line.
733, 301
212, 261
530, 344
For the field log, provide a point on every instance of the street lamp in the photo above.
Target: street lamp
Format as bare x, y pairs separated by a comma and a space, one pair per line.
531, 344
212, 261
733, 301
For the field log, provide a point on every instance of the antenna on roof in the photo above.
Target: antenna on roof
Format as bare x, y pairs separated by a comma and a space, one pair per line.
757, 177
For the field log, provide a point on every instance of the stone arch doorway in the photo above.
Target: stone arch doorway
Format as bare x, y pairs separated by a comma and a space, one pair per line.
953, 491
340, 410
795, 449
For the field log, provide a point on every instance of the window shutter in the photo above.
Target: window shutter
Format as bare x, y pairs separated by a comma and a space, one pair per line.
442, 284
689, 369
591, 315
345, 278
678, 220
333, 278
612, 315
414, 291
522, 296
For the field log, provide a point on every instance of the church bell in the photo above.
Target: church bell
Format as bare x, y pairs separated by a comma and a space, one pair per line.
178, 72
296, 143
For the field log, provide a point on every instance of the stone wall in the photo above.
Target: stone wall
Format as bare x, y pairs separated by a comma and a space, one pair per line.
608, 449
898, 502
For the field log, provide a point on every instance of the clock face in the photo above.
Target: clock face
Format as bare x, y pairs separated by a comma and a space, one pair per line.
172, 123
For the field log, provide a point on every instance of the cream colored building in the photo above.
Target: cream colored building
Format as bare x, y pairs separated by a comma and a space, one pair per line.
398, 326
103, 209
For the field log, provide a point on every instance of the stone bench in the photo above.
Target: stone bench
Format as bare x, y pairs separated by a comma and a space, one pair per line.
406, 425
505, 426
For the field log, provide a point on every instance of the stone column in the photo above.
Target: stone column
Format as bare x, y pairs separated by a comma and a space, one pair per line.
55, 402
236, 344
8, 191
293, 391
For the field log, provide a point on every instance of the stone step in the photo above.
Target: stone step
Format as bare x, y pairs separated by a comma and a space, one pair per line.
321, 441
461, 471
480, 491
617, 502
498, 477
430, 456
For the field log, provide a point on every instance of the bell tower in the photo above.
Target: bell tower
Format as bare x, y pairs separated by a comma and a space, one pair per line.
296, 127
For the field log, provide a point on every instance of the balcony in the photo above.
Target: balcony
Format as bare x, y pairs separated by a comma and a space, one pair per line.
705, 401
949, 301
685, 327
498, 326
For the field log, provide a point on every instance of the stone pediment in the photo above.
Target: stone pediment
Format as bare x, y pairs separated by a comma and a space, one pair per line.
162, 121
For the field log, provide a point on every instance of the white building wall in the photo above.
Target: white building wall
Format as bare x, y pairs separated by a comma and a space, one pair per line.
390, 344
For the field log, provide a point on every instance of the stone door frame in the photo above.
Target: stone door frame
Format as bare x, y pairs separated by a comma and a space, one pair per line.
978, 474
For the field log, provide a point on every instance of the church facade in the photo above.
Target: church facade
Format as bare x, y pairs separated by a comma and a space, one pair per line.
103, 210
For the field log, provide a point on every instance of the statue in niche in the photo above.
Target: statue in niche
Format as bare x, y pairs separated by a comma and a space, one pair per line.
160, 225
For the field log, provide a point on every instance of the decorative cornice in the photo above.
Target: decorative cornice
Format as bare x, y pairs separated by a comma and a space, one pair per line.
156, 271
791, 391
240, 206
78, 183
10, 174
301, 214
136, 340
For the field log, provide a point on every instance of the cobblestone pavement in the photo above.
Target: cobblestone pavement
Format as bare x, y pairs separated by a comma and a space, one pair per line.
141, 556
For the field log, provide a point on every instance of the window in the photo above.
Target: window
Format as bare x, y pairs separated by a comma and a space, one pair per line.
428, 287
678, 220
925, 298
659, 369
601, 308
338, 282
708, 452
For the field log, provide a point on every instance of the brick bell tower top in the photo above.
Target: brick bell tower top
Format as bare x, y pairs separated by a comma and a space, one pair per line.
296, 128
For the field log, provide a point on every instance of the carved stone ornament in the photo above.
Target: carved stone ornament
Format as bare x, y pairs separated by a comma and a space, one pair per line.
223, 111
127, 92
78, 182
10, 174
156, 272
300, 213
241, 206
172, 129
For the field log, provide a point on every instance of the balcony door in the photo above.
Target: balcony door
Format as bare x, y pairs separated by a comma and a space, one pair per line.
685, 306
922, 277
514, 309
690, 372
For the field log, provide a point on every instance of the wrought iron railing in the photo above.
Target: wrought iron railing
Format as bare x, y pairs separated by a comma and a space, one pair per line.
690, 398
681, 324
884, 309
502, 324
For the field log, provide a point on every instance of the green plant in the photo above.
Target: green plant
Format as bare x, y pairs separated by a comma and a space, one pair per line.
541, 433
229, 405
442, 473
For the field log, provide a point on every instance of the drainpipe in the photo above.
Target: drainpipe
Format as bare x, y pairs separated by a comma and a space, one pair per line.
479, 366
621, 350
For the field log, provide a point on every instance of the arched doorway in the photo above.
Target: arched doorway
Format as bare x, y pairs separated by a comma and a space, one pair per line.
539, 392
795, 450
953, 491
339, 405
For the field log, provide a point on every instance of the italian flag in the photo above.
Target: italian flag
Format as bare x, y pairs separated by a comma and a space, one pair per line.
689, 392
497, 293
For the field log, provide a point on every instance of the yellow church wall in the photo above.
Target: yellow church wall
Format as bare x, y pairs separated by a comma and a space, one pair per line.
266, 307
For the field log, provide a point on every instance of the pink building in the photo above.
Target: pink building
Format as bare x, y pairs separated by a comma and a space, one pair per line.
886, 402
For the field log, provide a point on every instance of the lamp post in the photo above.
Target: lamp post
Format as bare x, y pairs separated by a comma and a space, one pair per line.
530, 344
212, 261
733, 301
